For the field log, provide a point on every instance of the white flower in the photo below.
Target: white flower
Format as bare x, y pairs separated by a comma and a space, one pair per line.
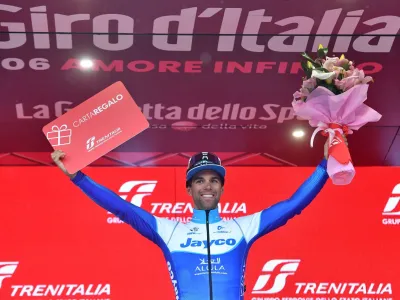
321, 75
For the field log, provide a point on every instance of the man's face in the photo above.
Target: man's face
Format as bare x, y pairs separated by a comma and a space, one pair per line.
206, 190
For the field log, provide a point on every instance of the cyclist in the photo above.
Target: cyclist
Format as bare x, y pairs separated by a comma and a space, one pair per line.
206, 257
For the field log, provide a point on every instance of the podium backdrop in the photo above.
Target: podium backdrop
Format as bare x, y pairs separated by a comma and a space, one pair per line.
58, 244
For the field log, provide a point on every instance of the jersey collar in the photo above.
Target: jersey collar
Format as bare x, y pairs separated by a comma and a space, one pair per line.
199, 216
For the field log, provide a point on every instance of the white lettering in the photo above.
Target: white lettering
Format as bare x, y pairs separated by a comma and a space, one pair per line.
186, 22
16, 39
60, 290
125, 25
178, 208
97, 110
15, 289
305, 24
362, 43
63, 23
343, 288
12, 64
183, 208
166, 207
40, 24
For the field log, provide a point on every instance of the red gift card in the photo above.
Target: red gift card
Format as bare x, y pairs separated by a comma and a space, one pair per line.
96, 126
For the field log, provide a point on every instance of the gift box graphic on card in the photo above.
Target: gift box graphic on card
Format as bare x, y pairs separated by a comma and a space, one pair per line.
59, 135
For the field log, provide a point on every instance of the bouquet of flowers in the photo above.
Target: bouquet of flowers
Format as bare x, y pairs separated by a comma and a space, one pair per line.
332, 100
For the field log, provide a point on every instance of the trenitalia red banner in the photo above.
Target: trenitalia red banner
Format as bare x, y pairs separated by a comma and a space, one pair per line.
57, 244
224, 69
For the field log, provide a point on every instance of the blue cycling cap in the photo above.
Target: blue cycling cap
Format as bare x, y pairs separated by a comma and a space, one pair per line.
204, 161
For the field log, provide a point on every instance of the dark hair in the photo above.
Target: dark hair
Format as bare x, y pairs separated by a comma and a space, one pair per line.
189, 182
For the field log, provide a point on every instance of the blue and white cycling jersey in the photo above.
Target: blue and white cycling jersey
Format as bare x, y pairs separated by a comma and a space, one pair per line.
208, 254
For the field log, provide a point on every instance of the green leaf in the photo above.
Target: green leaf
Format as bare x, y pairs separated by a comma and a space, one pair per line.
322, 52
306, 69
305, 55
346, 67
330, 86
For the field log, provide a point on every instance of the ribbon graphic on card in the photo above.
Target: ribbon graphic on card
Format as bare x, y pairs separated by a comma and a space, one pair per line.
59, 135
332, 100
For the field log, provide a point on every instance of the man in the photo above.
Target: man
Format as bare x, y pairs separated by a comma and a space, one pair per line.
206, 240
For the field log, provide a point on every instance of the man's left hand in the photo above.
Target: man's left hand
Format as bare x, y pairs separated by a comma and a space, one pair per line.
326, 146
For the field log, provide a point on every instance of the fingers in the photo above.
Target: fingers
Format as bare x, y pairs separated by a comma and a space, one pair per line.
57, 155
345, 140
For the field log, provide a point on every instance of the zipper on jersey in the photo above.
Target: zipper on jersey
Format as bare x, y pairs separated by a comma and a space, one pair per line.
209, 254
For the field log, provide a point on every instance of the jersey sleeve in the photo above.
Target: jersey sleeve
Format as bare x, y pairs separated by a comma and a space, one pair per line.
158, 230
256, 225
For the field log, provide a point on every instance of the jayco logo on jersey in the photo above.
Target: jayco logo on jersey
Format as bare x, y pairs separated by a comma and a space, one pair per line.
195, 243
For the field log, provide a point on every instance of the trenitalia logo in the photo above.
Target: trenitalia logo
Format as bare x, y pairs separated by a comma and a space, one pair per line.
392, 208
135, 191
7, 269
276, 271
393, 203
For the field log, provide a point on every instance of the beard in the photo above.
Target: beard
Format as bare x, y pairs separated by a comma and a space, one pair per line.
206, 204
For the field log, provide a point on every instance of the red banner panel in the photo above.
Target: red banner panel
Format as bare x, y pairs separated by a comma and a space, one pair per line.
58, 244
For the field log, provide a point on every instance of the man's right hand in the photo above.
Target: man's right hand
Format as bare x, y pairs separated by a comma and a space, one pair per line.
57, 157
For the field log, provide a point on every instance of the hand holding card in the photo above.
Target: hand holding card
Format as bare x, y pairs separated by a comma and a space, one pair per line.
96, 127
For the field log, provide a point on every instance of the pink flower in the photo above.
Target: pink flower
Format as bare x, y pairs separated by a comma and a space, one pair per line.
297, 104
330, 63
342, 62
310, 84
355, 77
302, 94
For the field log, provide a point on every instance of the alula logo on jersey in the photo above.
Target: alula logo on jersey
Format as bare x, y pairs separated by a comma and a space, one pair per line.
279, 274
196, 243
204, 267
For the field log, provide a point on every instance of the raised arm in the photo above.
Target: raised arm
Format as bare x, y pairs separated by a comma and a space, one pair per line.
138, 218
156, 229
277, 215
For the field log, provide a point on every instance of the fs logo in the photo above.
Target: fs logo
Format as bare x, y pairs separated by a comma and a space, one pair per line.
393, 202
135, 191
276, 271
7, 269
90, 143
